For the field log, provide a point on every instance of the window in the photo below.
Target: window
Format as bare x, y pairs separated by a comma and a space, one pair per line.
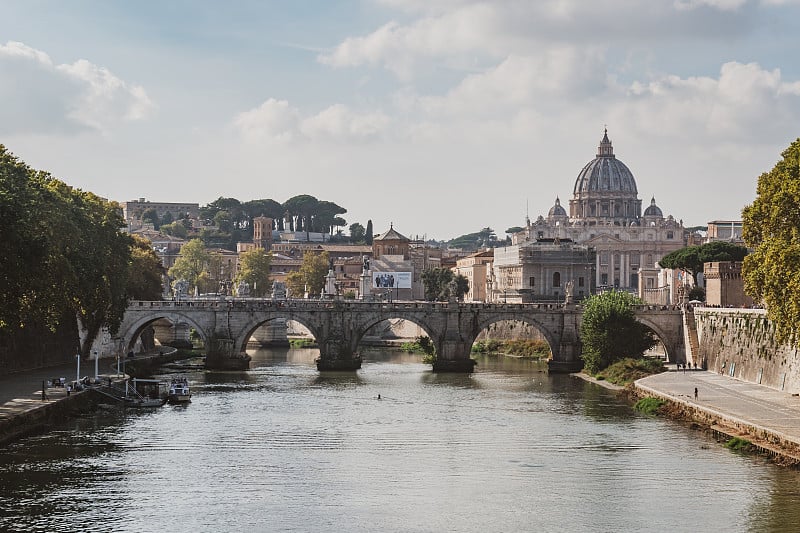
649, 283
531, 281
580, 281
556, 279
540, 235
670, 235
603, 279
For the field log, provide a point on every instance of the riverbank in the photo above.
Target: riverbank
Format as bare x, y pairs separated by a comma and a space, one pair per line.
728, 408
24, 410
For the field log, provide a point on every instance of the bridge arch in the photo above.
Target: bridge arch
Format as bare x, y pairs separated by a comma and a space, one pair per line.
671, 346
256, 322
365, 325
553, 340
132, 333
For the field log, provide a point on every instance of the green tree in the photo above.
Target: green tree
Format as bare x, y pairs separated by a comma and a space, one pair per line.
437, 284
311, 276
175, 229
357, 233
150, 215
692, 258
771, 227
368, 235
610, 331
145, 271
192, 265
254, 268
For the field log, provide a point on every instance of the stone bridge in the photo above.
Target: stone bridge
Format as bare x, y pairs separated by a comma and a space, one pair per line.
339, 325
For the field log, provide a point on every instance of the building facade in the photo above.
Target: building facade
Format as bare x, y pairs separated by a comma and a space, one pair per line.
605, 213
725, 285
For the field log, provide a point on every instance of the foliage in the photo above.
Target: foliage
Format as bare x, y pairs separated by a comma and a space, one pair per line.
145, 271
771, 227
311, 276
357, 233
436, 283
302, 343
697, 293
62, 254
472, 241
350, 295
537, 348
629, 370
192, 264
692, 258
610, 332
738, 444
649, 405
254, 268
421, 344
175, 229
514, 229
369, 235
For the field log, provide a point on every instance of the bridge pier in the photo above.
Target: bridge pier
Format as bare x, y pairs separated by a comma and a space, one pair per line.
221, 354
336, 355
453, 356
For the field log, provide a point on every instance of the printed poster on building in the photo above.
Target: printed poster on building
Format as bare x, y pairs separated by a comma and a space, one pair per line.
391, 280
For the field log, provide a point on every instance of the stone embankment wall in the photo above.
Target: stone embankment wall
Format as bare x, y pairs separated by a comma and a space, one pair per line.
741, 343
45, 416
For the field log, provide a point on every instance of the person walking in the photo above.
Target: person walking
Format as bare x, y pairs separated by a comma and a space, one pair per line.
695, 393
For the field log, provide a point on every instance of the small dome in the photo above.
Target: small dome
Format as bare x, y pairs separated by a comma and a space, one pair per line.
605, 173
557, 210
653, 210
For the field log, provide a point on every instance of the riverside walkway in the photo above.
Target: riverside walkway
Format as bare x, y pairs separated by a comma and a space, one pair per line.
771, 417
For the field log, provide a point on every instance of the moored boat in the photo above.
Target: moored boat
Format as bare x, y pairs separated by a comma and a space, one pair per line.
179, 391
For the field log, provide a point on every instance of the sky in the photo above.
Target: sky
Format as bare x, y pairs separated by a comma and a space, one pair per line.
437, 117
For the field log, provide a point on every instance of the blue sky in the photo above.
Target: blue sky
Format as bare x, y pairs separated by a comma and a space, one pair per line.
440, 117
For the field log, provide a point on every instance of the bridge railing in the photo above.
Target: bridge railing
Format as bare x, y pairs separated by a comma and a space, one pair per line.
357, 305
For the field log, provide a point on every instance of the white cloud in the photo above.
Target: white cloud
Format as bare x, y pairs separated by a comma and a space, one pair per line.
745, 102
42, 97
277, 121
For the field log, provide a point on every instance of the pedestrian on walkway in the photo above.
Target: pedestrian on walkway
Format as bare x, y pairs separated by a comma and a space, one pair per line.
44, 390
695, 393
684, 368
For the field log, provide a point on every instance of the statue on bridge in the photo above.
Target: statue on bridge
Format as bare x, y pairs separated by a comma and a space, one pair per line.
243, 289
568, 287
180, 288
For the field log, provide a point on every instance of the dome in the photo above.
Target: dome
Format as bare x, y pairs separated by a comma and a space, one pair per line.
653, 210
605, 173
557, 210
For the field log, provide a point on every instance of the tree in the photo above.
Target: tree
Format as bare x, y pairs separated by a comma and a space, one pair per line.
770, 227
436, 283
145, 271
150, 215
692, 258
175, 229
192, 264
254, 268
311, 276
357, 233
368, 235
610, 331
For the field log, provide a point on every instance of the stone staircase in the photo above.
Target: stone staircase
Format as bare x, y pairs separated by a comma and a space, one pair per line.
690, 339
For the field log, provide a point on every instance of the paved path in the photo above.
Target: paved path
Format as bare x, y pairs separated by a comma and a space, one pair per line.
22, 391
747, 403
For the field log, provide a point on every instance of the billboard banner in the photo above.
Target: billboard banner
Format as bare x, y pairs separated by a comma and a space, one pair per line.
391, 280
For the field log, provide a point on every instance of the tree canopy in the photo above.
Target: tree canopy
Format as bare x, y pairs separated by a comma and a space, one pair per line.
62, 255
254, 268
311, 276
771, 227
192, 265
436, 283
472, 241
692, 258
610, 331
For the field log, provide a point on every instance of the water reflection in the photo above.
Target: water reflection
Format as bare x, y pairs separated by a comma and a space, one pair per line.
283, 447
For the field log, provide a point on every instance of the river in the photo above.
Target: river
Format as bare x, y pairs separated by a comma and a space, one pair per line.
285, 448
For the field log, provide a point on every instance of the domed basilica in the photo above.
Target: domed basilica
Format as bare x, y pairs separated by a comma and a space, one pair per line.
605, 213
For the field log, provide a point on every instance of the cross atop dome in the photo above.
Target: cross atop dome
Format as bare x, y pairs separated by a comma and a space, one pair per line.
605, 149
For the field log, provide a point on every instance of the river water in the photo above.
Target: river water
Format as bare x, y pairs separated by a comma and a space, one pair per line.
285, 448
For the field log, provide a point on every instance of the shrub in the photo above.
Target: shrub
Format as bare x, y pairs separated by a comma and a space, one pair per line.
649, 405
